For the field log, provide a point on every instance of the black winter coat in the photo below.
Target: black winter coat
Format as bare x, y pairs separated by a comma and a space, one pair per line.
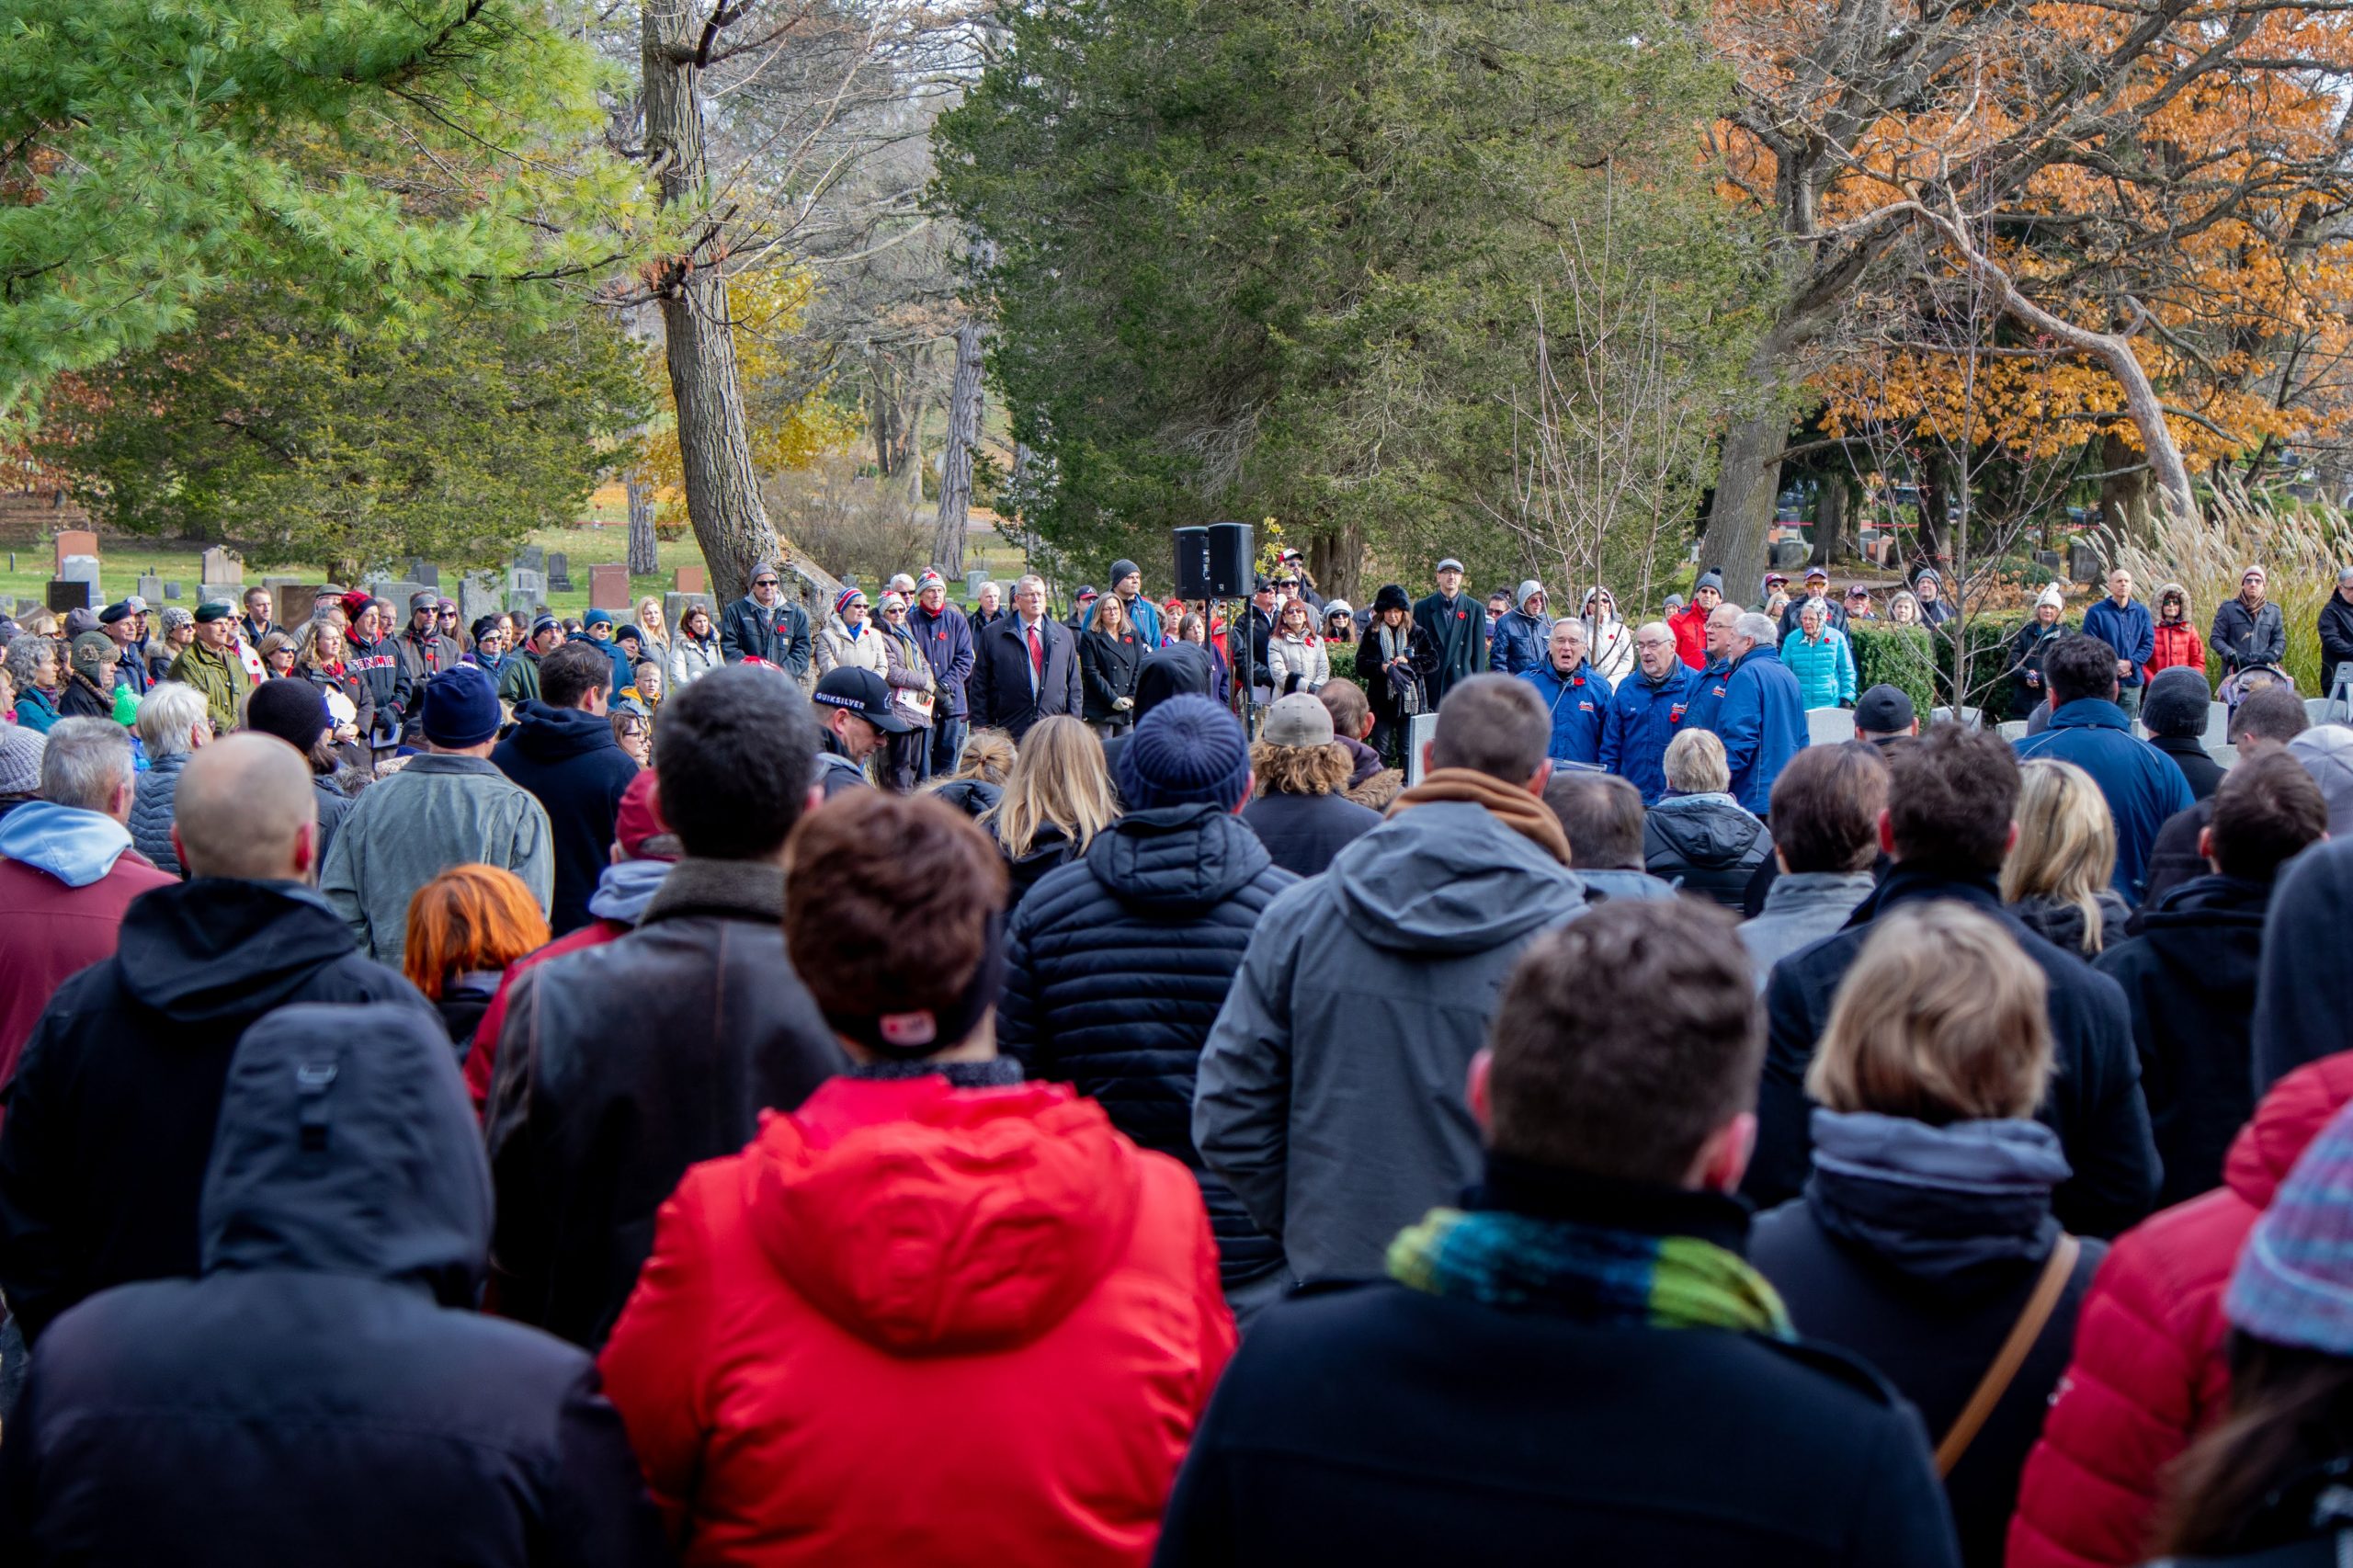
2173, 859
620, 1065
2189, 755
2335, 640
1116, 966
570, 762
79, 698
110, 1112
1108, 664
324, 1393
1303, 832
1457, 633
1708, 843
1921, 1270
2190, 979
1050, 850
1371, 1422
1372, 673
2094, 1102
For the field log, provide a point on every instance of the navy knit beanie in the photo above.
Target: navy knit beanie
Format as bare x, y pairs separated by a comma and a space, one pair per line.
461, 706
1185, 750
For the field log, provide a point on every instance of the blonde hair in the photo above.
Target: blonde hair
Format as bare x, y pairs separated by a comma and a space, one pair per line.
1058, 779
1942, 1020
988, 756
1300, 770
650, 603
1695, 765
306, 642
2066, 848
1107, 605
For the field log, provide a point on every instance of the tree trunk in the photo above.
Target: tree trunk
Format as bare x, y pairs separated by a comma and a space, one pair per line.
956, 460
1830, 522
2124, 497
886, 418
643, 557
1337, 561
1936, 501
1746, 485
714, 449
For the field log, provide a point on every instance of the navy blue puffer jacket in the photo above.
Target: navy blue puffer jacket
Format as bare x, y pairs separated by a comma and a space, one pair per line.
1115, 968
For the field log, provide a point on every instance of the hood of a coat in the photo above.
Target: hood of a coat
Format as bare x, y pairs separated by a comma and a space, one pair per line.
2061, 923
555, 734
2204, 904
929, 1219
1179, 669
625, 888
1447, 877
1528, 590
1938, 1204
219, 947
2289, 1117
1704, 830
76, 847
1363, 761
1176, 858
347, 1145
1795, 891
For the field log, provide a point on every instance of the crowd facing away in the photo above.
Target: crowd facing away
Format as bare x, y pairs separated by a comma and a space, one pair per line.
985, 1085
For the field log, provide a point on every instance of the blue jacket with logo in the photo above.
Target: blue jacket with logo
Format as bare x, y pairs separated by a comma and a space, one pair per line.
945, 639
1762, 724
1579, 703
1708, 694
1644, 717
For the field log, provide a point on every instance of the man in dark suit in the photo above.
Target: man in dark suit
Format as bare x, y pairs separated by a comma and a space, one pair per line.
1025, 668
1455, 625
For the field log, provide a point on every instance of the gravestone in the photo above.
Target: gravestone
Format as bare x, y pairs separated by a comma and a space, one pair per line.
171, 590
71, 594
219, 593
559, 572
80, 568
72, 542
1790, 553
676, 604
477, 596
151, 588
293, 602
532, 557
424, 572
2083, 564
397, 594
608, 587
974, 580
519, 603
2047, 561
219, 565
526, 581
690, 580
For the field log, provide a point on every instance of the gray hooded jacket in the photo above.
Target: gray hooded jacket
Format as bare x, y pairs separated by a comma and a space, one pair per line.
1330, 1096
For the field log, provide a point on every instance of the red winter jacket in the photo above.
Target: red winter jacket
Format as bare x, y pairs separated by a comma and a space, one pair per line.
2148, 1374
1689, 625
915, 1324
2178, 646
56, 931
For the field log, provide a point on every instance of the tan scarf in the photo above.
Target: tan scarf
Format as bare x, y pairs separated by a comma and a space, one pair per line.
1519, 810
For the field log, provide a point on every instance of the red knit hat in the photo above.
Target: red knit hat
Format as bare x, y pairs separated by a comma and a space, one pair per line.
639, 819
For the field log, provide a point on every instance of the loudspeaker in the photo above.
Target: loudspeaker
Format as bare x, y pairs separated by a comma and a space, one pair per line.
1193, 563
1230, 553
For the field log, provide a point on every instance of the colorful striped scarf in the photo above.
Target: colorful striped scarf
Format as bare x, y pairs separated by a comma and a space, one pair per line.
1587, 1272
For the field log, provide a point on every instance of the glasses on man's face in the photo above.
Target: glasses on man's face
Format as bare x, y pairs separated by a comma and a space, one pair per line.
1653, 642
764, 581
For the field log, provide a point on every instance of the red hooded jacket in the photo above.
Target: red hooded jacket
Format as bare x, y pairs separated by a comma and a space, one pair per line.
916, 1324
1689, 625
2149, 1374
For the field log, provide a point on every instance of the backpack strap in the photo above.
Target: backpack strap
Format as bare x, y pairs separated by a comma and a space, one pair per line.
2056, 1270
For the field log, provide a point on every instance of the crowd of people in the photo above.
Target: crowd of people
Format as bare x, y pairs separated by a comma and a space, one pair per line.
958, 1086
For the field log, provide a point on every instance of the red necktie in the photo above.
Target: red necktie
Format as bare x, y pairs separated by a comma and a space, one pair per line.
1037, 656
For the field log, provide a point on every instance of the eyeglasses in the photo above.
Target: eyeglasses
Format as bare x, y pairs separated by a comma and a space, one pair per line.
764, 581
899, 611
1654, 642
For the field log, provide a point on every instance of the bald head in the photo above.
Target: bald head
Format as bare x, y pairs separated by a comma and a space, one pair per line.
245, 809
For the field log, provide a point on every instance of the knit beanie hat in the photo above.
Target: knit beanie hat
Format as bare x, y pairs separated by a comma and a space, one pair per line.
597, 618
20, 754
843, 600
2053, 595
2176, 703
175, 617
290, 708
94, 650
1187, 749
1713, 577
461, 706
2294, 1281
1123, 570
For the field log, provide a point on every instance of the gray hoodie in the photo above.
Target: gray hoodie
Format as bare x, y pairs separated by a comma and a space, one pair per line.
1800, 908
1331, 1091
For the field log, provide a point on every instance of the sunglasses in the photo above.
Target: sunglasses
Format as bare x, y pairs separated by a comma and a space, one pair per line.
764, 581
902, 610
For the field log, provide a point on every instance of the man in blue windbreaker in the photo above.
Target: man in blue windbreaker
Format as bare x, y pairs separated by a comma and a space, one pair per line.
1707, 691
2122, 622
1646, 711
1576, 693
1762, 722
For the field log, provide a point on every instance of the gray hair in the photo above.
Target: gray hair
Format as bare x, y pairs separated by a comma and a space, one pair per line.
23, 654
1567, 620
1755, 626
1695, 764
168, 716
85, 764
1024, 581
1818, 608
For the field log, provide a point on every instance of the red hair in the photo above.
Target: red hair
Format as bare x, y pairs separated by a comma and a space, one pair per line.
469, 917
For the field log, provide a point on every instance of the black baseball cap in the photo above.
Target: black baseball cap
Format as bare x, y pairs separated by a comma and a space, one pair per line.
865, 694
1882, 710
